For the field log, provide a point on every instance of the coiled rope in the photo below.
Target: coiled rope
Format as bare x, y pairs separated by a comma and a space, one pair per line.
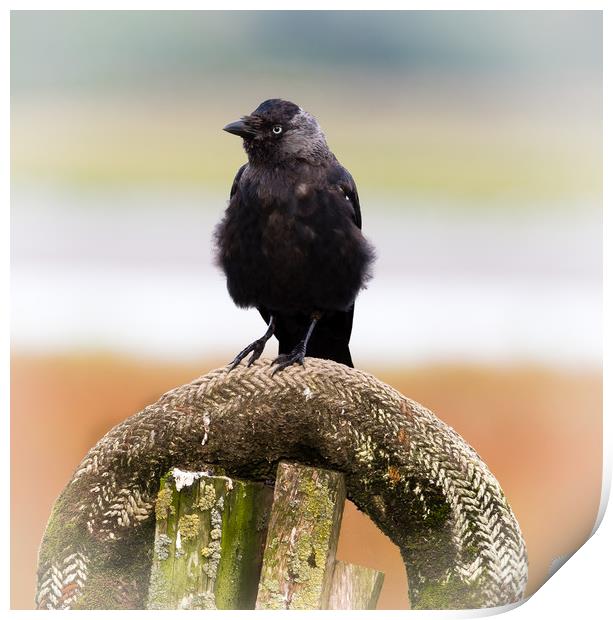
412, 474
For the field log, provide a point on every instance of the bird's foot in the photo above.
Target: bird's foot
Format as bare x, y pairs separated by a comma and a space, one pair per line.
255, 348
295, 357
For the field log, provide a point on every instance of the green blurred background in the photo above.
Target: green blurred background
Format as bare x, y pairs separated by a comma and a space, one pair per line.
477, 105
475, 139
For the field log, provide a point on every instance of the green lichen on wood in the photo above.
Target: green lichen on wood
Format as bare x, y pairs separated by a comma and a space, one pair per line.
303, 534
213, 550
243, 528
205, 600
189, 526
164, 546
163, 504
207, 498
189, 569
274, 598
308, 557
158, 592
164, 501
161, 546
211, 566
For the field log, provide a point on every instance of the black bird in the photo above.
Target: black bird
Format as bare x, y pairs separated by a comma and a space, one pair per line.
290, 242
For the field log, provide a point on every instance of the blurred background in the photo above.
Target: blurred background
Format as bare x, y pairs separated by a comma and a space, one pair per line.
475, 139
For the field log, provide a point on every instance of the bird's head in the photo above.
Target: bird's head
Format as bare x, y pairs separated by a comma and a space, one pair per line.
280, 131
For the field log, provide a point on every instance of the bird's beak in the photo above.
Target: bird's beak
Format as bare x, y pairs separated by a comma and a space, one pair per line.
240, 128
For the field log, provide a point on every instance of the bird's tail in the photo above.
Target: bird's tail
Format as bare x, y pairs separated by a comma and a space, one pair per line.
329, 340
331, 350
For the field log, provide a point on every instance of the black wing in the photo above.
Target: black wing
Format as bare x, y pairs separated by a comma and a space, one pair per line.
342, 178
237, 179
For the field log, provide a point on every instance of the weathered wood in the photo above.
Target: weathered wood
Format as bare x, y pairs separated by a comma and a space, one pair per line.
354, 587
302, 538
209, 542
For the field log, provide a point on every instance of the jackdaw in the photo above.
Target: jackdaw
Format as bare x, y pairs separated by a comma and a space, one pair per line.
290, 242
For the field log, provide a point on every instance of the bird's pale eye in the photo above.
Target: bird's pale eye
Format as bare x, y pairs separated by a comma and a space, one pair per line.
277, 129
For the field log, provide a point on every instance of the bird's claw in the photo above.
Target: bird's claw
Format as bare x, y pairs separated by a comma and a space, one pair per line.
257, 351
283, 361
255, 348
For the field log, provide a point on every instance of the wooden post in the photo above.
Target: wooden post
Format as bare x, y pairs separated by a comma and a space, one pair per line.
219, 544
209, 541
302, 538
355, 587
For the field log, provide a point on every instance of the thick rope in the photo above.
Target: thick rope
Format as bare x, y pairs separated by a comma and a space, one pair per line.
415, 477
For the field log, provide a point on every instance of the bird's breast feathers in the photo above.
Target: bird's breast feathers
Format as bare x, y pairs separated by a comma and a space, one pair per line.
280, 235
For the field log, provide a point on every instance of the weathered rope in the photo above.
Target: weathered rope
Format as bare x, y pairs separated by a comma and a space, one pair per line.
412, 474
